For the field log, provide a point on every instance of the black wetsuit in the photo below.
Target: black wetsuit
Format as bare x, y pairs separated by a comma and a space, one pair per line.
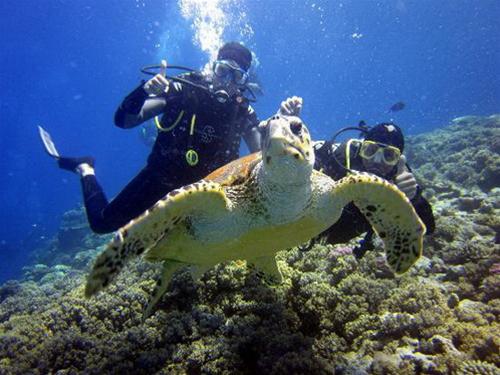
191, 120
352, 223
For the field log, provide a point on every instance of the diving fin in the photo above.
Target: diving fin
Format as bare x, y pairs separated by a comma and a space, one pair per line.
49, 145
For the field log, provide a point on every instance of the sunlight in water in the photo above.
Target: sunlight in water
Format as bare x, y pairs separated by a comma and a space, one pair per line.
215, 20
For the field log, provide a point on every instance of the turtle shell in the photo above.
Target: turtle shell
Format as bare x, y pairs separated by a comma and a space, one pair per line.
235, 172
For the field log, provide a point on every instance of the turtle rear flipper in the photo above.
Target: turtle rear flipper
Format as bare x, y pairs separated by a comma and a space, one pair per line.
390, 214
144, 232
169, 268
269, 266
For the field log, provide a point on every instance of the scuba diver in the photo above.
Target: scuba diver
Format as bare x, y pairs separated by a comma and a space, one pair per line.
380, 152
204, 116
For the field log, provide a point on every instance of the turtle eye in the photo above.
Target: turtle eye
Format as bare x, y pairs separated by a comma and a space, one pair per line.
296, 127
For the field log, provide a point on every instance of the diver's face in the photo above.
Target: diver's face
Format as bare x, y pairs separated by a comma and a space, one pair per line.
228, 73
377, 166
379, 158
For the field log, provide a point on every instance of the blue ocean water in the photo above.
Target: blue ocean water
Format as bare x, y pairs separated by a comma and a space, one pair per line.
66, 65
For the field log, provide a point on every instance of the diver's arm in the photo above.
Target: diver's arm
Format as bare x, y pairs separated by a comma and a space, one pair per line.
421, 205
252, 139
424, 211
251, 135
138, 107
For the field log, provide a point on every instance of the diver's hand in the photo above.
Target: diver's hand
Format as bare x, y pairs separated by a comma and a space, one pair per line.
291, 106
158, 84
405, 180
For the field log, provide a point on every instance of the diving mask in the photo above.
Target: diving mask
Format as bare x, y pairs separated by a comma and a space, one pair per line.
229, 70
390, 154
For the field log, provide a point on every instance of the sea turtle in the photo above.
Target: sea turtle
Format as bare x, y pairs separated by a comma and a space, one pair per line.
255, 206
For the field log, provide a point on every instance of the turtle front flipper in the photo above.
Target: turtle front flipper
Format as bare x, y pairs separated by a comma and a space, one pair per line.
389, 212
144, 232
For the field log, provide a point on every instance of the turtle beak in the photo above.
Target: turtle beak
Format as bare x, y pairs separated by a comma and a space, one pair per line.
294, 150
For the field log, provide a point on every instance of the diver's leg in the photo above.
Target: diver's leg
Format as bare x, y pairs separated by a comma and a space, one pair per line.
95, 202
93, 195
141, 193
104, 217
75, 164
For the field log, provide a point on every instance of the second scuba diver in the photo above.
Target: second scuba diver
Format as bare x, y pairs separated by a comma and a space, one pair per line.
204, 116
380, 153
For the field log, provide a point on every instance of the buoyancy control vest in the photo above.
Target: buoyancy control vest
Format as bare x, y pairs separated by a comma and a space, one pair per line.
196, 133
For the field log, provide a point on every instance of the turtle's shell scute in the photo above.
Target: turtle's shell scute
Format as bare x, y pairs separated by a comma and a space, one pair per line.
236, 172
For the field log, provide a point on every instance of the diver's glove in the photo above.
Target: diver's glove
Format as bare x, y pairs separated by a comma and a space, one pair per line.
366, 244
158, 84
291, 106
405, 180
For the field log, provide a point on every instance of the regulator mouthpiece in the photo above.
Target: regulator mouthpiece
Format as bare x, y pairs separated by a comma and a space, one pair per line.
222, 96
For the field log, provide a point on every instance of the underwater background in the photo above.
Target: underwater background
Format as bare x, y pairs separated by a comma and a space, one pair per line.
66, 65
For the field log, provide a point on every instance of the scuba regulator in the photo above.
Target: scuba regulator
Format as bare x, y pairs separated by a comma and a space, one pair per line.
221, 95
363, 130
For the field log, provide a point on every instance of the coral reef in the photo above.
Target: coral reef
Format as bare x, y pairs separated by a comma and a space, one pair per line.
332, 315
71, 245
469, 155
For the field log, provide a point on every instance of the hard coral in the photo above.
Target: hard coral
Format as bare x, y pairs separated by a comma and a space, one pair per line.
478, 368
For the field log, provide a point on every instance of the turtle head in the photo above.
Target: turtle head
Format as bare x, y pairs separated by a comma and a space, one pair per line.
287, 153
